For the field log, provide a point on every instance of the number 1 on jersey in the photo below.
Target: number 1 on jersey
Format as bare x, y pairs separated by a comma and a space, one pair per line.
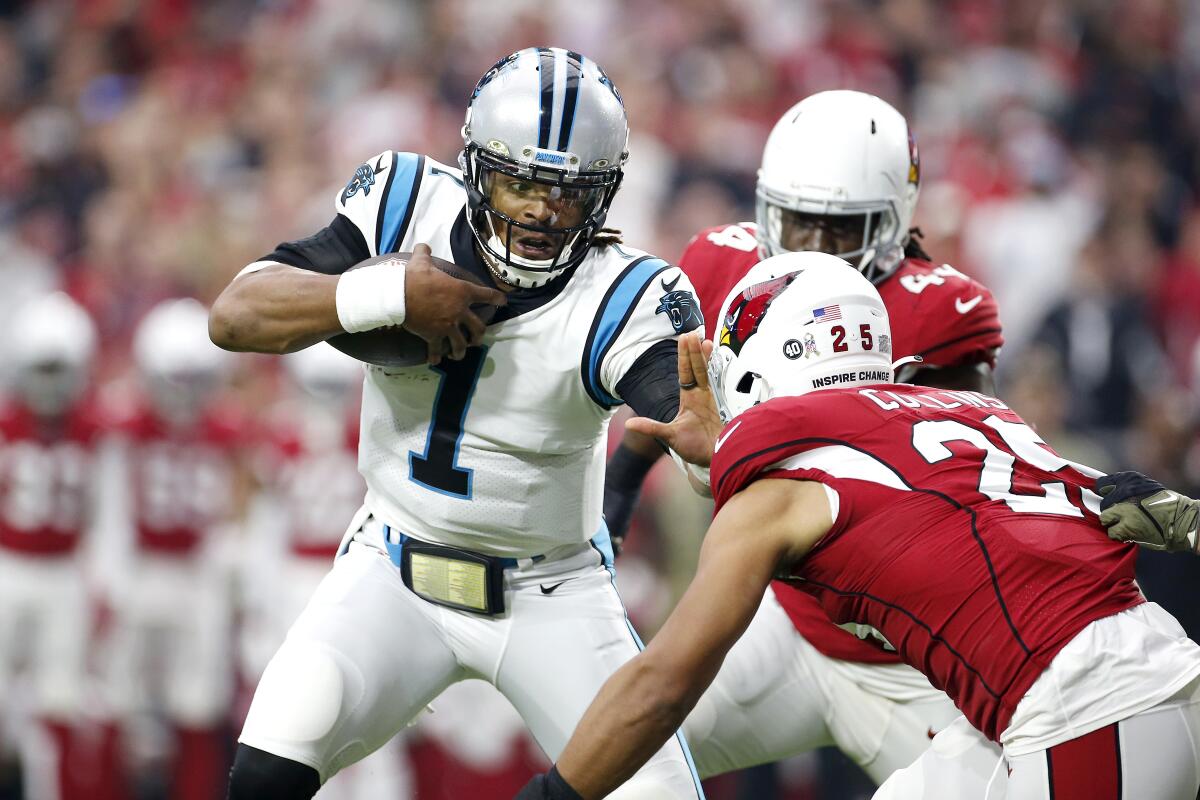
437, 468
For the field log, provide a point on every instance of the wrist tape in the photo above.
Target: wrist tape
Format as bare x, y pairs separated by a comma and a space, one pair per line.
371, 297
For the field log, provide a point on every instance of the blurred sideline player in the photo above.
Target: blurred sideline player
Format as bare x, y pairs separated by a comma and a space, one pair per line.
840, 175
51, 433
481, 551
171, 649
306, 463
938, 518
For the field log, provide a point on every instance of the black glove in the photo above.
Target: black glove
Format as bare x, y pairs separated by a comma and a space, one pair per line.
1140, 509
1121, 486
549, 786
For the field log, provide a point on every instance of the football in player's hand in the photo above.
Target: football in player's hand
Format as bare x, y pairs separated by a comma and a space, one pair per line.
394, 346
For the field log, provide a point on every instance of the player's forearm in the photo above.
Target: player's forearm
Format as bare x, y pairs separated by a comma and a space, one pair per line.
637, 709
278, 309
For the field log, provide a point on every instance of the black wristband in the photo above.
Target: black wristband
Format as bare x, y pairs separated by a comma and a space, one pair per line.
557, 788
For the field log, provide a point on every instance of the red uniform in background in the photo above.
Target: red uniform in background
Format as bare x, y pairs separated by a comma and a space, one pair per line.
49, 495
171, 650
46, 479
936, 312
314, 475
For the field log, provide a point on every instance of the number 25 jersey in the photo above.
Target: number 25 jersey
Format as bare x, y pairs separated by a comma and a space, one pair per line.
958, 533
503, 451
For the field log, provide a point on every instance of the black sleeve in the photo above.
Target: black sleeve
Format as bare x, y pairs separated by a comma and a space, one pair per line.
651, 386
623, 479
331, 250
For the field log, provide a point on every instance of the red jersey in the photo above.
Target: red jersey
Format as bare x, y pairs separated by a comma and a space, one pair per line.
960, 535
317, 483
935, 312
46, 479
182, 480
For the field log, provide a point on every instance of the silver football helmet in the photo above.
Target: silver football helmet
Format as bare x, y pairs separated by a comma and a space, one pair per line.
180, 368
545, 139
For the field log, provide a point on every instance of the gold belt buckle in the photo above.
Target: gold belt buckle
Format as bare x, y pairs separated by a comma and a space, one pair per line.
454, 578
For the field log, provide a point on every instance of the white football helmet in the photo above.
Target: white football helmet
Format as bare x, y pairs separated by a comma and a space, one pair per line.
53, 341
842, 154
798, 322
551, 120
181, 369
323, 372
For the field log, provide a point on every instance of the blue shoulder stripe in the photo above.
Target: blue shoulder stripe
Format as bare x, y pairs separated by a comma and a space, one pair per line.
612, 316
396, 208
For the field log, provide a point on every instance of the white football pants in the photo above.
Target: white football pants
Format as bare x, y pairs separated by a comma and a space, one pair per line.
367, 655
776, 696
1152, 755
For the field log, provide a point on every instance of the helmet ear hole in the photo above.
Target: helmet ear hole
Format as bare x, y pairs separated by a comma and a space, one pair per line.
746, 384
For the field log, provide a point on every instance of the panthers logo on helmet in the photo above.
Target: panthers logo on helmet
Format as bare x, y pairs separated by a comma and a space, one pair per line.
746, 312
364, 178
494, 71
680, 306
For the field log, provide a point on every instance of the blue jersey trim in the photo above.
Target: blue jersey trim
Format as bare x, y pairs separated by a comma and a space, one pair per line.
602, 541
399, 203
610, 320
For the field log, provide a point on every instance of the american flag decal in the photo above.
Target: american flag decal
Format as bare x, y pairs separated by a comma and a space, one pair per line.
828, 313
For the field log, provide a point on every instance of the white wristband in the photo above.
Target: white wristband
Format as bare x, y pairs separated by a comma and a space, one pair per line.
371, 297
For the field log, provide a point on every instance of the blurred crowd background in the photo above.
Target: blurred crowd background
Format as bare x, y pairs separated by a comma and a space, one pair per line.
149, 150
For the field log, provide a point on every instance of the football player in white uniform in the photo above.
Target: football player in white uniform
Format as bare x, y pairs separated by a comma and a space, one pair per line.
481, 551
53, 450
181, 483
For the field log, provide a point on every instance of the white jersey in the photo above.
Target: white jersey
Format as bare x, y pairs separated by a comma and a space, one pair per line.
503, 452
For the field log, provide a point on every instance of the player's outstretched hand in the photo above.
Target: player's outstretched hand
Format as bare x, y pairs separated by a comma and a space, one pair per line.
1139, 509
696, 427
438, 307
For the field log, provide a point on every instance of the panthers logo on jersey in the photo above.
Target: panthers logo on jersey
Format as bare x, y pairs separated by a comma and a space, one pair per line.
364, 178
680, 306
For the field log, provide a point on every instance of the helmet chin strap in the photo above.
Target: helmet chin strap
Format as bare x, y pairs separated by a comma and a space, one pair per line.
497, 245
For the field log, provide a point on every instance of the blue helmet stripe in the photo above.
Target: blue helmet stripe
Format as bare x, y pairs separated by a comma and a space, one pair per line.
546, 68
574, 75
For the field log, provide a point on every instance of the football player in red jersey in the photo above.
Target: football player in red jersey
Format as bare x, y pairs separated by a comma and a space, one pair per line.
840, 174
936, 517
50, 436
183, 492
